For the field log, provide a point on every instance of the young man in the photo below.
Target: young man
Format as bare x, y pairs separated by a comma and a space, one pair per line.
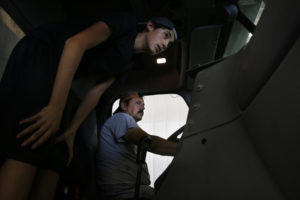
34, 92
117, 151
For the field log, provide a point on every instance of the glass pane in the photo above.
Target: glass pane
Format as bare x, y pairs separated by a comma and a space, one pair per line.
164, 114
240, 36
252, 9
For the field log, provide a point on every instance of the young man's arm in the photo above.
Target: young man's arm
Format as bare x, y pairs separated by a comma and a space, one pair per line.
158, 145
46, 122
87, 105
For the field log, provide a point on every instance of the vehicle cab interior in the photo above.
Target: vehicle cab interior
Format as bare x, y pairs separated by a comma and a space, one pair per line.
235, 68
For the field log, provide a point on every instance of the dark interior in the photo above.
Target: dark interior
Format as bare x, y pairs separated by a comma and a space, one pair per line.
243, 142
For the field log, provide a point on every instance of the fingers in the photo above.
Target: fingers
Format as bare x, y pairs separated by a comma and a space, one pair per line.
33, 137
44, 124
42, 139
70, 157
30, 119
30, 129
70, 150
70, 142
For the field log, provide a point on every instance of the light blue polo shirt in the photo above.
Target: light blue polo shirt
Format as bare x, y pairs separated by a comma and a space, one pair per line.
116, 167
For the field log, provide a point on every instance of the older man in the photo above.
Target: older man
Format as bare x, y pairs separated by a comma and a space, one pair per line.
117, 150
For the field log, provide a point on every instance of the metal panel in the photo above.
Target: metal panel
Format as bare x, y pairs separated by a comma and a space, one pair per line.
219, 164
274, 35
203, 45
273, 119
214, 98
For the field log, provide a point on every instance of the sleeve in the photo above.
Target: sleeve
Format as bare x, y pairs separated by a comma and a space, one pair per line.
121, 123
120, 23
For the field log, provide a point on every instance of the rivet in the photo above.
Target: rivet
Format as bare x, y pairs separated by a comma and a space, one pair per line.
189, 123
196, 106
199, 87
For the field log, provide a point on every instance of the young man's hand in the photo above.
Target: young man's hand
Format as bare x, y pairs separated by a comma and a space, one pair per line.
44, 124
68, 136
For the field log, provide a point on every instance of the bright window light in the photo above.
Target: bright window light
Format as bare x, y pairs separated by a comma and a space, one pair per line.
161, 60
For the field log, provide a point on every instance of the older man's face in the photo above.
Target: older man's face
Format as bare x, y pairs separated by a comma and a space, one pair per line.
136, 108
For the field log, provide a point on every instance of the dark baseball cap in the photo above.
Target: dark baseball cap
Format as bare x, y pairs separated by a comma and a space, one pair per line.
163, 21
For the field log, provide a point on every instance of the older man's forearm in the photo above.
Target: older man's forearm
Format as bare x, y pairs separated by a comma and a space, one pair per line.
163, 147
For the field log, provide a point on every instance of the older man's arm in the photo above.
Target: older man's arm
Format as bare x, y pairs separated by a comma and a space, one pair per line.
158, 145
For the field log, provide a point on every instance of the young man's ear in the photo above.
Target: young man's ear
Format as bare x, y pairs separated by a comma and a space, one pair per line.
150, 26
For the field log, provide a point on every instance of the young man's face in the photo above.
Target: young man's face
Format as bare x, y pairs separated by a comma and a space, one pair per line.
135, 108
159, 39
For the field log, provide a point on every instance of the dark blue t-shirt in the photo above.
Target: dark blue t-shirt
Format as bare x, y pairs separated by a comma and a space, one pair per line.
112, 56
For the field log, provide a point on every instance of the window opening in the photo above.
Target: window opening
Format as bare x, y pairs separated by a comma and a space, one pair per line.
164, 114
